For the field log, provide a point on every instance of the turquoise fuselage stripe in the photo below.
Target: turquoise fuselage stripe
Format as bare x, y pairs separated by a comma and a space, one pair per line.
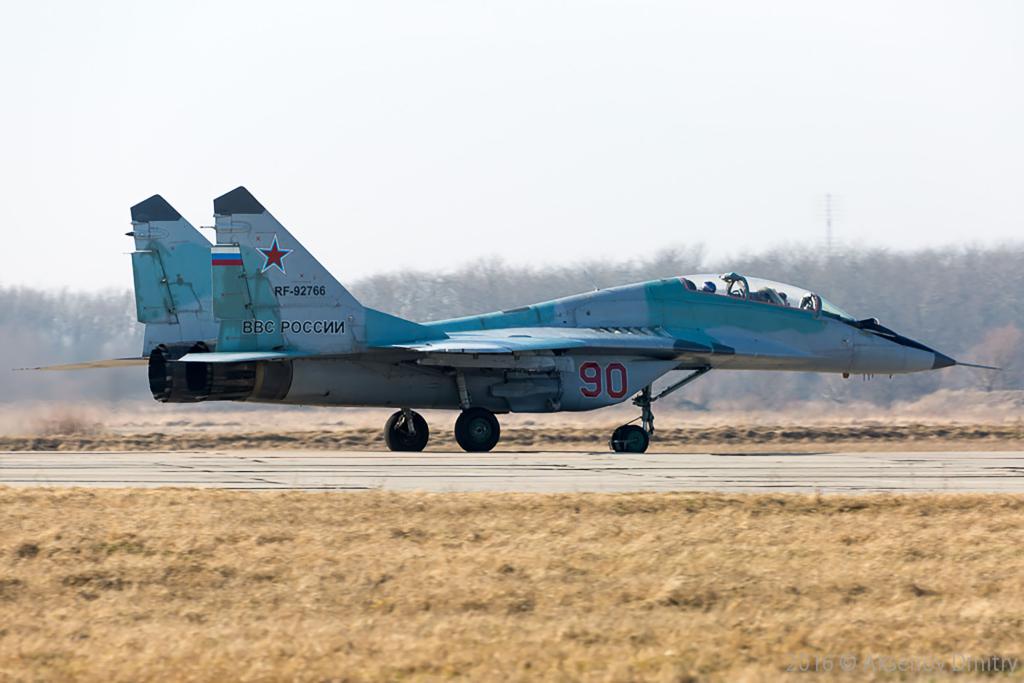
665, 304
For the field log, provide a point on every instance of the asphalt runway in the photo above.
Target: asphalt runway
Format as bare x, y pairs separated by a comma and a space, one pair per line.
976, 471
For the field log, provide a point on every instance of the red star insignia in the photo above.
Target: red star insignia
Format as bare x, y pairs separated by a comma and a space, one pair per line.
274, 256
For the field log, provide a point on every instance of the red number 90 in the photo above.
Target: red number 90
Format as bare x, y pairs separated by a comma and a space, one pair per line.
613, 380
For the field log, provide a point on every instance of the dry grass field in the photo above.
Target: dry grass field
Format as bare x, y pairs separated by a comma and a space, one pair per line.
213, 585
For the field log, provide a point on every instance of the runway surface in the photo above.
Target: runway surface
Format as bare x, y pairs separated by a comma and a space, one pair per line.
526, 472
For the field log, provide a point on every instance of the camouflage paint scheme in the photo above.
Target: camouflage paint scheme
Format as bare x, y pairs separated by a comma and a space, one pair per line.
270, 304
172, 275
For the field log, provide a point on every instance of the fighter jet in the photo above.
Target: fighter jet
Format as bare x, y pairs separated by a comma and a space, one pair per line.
255, 317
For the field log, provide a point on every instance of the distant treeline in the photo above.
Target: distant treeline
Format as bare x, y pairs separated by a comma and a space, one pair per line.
965, 302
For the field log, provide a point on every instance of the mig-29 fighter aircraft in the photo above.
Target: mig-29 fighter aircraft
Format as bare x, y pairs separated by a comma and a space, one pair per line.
255, 317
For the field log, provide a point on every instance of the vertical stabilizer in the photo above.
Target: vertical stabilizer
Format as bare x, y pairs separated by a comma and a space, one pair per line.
171, 270
270, 292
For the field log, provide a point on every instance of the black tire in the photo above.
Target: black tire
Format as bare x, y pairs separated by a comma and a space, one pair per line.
477, 430
630, 439
397, 436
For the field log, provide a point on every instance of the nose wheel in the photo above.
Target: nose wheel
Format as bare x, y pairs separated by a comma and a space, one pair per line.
631, 438
406, 431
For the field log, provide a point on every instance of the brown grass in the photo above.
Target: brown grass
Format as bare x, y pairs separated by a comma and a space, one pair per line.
214, 585
866, 436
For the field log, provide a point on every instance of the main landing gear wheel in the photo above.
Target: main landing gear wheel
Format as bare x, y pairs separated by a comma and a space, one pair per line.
477, 430
406, 430
630, 439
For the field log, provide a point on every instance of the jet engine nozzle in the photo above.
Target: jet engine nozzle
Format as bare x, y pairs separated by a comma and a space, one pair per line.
174, 381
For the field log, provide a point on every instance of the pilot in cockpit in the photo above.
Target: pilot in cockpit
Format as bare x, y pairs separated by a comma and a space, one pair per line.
767, 295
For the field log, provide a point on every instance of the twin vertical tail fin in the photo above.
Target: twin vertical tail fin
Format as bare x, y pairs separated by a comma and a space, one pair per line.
257, 295
258, 290
172, 277
269, 292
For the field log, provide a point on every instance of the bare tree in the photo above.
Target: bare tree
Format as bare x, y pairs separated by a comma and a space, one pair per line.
964, 302
1000, 347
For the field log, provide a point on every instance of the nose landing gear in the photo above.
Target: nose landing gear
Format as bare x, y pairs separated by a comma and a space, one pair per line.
406, 431
631, 438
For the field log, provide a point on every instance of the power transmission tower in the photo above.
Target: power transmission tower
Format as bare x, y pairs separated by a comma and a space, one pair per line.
828, 224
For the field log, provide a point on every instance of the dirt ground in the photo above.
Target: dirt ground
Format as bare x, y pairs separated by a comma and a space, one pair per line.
993, 423
752, 438
214, 585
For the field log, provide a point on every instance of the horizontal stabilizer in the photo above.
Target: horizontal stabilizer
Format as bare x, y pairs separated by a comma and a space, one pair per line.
92, 364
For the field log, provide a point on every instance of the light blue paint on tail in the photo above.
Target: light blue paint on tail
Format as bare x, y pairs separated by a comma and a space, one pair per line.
243, 302
171, 268
281, 298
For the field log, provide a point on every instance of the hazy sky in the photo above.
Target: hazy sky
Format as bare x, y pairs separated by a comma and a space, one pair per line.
437, 134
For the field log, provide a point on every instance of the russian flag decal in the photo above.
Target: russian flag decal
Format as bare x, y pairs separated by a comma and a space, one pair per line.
226, 256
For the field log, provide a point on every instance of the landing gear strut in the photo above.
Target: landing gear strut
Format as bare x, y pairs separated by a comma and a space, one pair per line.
477, 430
631, 438
406, 430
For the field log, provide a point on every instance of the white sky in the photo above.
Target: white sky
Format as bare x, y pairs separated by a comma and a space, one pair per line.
435, 134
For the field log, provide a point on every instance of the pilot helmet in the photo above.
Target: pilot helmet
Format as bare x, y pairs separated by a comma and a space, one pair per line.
709, 286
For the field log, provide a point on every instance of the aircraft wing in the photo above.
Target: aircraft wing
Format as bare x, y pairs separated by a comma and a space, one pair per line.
688, 347
532, 340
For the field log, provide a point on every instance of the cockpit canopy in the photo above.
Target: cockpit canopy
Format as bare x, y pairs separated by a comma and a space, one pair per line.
762, 291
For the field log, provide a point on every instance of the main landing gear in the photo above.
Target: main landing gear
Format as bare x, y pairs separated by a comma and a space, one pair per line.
631, 438
406, 430
477, 431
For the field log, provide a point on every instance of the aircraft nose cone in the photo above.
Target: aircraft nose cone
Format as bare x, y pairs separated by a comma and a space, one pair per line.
942, 361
